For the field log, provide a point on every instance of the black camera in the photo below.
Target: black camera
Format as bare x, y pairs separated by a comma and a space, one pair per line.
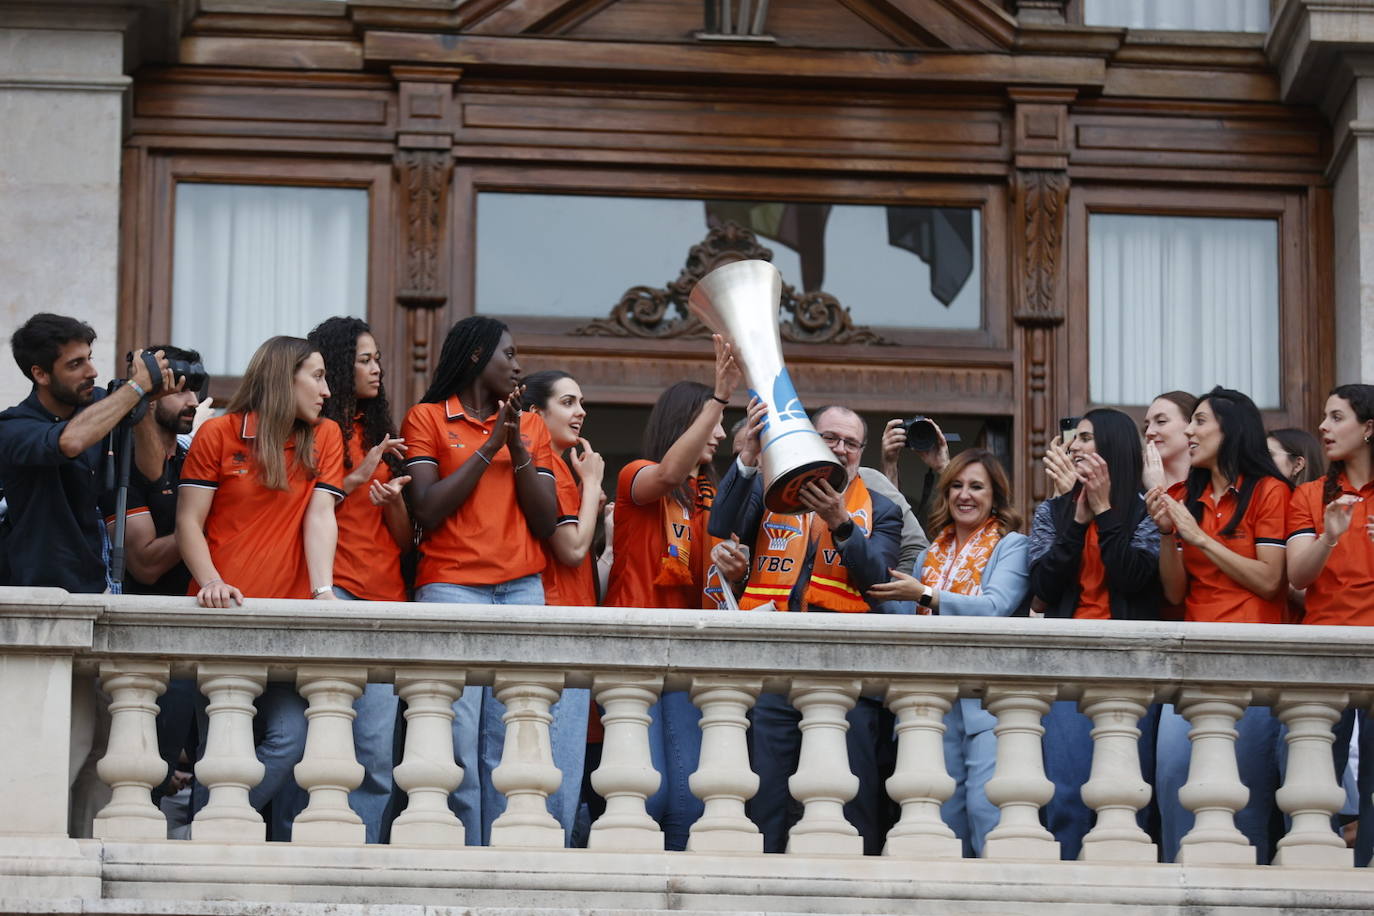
194, 373
922, 436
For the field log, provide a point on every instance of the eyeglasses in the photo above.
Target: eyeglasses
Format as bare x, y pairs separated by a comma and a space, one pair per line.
850, 445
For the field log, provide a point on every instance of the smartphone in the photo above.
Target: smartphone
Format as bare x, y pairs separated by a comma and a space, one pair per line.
1068, 428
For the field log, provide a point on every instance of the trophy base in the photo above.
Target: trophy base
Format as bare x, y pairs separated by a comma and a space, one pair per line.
781, 495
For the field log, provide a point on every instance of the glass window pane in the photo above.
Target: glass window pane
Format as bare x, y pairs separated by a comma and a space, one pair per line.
574, 256
1178, 302
252, 261
1195, 15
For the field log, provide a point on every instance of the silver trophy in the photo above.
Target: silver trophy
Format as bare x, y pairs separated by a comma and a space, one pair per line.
739, 301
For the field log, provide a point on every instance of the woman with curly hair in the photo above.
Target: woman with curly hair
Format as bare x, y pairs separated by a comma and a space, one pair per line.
1331, 554
374, 530
976, 567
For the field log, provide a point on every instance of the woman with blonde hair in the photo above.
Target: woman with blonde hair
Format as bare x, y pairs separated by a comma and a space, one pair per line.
975, 566
255, 518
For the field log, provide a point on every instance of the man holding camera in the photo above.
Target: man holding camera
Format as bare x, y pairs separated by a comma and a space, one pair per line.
51, 457
823, 560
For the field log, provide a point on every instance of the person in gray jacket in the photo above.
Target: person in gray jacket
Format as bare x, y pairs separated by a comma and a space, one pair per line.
975, 566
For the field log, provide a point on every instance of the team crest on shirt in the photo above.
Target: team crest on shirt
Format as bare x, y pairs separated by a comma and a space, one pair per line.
454, 441
240, 457
779, 533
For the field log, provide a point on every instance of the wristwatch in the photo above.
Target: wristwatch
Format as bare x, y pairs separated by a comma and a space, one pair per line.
927, 597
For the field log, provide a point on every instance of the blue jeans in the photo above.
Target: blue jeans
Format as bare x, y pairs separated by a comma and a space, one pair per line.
176, 727
1364, 838
1257, 757
279, 732
970, 760
775, 751
675, 749
479, 735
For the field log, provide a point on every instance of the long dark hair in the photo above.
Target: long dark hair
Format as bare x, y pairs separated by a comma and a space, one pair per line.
1361, 401
674, 411
1299, 443
1118, 442
1243, 453
539, 387
337, 340
457, 369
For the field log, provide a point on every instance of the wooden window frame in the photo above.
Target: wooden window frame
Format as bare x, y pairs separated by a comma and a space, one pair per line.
147, 288
1299, 367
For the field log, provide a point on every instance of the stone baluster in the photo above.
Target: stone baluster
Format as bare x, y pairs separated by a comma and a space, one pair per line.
723, 780
920, 782
230, 767
1018, 785
527, 774
1214, 792
428, 772
330, 769
626, 776
1311, 796
132, 766
823, 781
1116, 790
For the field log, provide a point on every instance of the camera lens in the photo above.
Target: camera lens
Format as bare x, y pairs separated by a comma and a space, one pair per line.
920, 434
194, 373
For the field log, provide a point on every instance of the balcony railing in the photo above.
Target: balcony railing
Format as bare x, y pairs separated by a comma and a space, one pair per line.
919, 665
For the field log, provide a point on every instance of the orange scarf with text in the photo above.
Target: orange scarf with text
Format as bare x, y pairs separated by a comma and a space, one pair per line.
781, 549
961, 570
681, 565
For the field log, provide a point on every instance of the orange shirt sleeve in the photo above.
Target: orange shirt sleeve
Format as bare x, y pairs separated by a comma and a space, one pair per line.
329, 458
1300, 516
540, 444
204, 460
1269, 509
419, 435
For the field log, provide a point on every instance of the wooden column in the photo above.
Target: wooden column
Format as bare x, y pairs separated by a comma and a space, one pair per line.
1039, 274
426, 120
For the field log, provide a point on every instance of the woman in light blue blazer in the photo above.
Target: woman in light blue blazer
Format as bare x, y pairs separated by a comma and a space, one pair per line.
974, 567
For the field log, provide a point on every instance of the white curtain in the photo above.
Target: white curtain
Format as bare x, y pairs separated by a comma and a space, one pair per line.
252, 261
1180, 302
1195, 15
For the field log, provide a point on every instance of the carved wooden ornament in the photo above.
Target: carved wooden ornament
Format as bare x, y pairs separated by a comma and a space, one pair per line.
424, 179
654, 312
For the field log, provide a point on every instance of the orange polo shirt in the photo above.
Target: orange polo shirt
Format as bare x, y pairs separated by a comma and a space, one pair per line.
255, 534
1093, 601
1213, 596
568, 586
640, 543
1343, 594
368, 560
487, 541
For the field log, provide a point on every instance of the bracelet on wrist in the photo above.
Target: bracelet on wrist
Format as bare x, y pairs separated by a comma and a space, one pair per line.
521, 467
137, 388
720, 400
319, 590
211, 582
483, 457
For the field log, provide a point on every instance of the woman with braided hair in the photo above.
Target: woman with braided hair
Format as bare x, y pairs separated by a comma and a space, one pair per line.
482, 489
374, 530
1331, 554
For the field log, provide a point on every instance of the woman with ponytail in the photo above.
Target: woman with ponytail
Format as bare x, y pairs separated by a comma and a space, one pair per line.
1222, 556
1331, 555
1094, 555
662, 556
482, 489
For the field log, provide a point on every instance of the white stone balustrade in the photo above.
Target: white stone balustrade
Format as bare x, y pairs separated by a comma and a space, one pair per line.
723, 780
428, 771
1116, 790
330, 769
1309, 676
1018, 785
526, 775
823, 781
921, 783
132, 767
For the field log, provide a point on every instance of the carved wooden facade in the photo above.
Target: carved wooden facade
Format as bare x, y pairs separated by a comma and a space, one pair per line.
1035, 121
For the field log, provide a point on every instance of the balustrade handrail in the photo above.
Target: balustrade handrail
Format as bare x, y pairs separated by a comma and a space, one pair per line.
583, 641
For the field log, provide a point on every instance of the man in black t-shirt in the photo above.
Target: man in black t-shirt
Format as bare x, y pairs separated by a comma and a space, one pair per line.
154, 565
